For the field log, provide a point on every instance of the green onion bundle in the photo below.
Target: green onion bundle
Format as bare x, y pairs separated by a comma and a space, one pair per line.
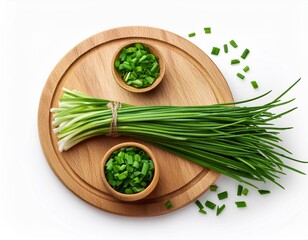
236, 141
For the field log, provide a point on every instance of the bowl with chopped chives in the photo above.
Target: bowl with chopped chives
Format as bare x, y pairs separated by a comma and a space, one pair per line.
138, 67
129, 171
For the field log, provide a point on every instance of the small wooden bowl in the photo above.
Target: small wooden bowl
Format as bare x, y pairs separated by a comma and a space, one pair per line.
127, 87
136, 196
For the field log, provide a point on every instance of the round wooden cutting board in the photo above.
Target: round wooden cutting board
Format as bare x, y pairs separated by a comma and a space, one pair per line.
191, 78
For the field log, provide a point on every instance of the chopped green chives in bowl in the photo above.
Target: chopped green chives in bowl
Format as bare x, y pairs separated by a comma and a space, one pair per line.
138, 67
129, 169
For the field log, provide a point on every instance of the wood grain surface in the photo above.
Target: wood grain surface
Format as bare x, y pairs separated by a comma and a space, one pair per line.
191, 78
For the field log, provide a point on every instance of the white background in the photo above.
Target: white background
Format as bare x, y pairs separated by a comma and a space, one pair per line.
35, 35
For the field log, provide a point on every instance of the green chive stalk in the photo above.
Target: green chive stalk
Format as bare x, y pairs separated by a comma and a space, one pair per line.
240, 142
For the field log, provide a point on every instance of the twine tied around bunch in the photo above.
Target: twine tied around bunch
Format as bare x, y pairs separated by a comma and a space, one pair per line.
113, 130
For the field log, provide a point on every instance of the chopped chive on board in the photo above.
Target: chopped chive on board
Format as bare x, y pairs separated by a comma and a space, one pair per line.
239, 190
220, 209
235, 61
207, 30
210, 204
222, 195
246, 69
202, 211
199, 204
168, 205
241, 204
262, 192
192, 34
233, 44
215, 51
241, 76
226, 48
254, 84
245, 191
245, 53
213, 188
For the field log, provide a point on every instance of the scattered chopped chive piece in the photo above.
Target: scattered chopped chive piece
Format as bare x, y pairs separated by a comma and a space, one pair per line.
215, 51
226, 48
207, 30
239, 190
202, 211
262, 192
210, 204
245, 191
245, 53
235, 61
213, 188
254, 84
241, 204
233, 44
222, 195
220, 209
246, 69
241, 76
168, 205
192, 34
199, 204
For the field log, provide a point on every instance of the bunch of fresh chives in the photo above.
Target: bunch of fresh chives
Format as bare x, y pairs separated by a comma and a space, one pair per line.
238, 141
